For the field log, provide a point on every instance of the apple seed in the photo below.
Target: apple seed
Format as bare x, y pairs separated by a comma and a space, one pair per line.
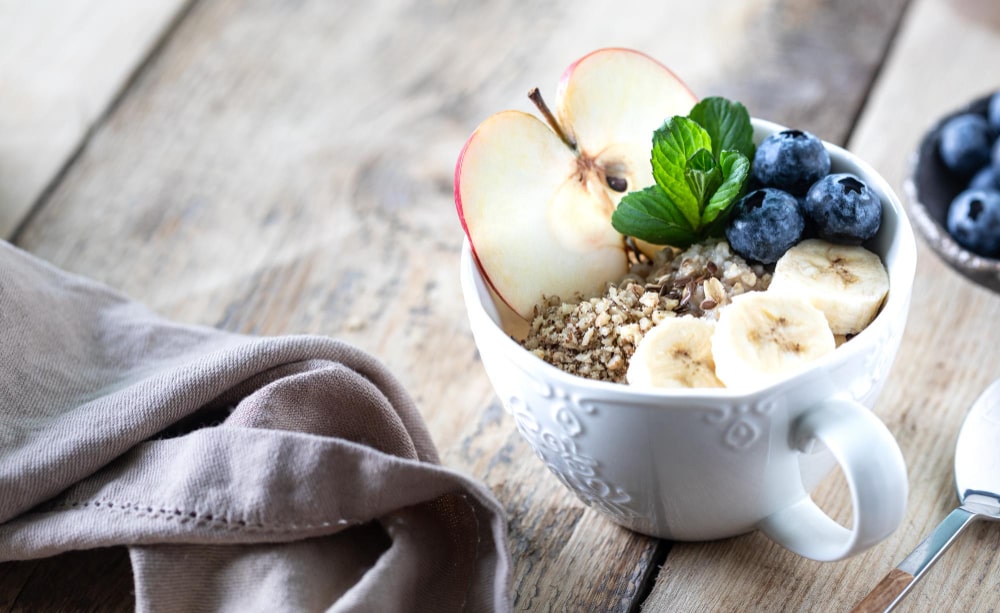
618, 184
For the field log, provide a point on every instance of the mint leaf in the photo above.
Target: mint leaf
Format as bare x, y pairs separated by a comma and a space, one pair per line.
700, 165
727, 123
734, 167
703, 175
650, 216
673, 145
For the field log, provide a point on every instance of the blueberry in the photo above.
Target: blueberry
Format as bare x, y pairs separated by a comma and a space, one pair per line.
965, 143
974, 221
843, 209
993, 113
986, 178
790, 160
995, 158
764, 225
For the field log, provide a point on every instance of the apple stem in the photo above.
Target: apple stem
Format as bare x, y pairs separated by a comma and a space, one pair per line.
536, 97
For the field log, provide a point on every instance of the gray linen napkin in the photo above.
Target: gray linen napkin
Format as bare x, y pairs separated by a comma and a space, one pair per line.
243, 473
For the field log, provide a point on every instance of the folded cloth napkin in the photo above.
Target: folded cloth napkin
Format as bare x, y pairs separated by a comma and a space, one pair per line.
243, 473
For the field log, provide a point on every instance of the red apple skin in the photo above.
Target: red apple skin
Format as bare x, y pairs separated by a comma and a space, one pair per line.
461, 218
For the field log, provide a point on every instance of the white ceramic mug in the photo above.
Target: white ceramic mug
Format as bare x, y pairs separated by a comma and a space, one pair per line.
706, 464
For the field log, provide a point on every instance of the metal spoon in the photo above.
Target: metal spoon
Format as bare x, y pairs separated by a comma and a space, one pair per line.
977, 479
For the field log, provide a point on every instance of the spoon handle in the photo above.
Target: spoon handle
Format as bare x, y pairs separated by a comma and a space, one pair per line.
887, 594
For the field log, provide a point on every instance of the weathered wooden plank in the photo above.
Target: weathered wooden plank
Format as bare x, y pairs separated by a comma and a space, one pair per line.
279, 168
61, 65
804, 64
946, 359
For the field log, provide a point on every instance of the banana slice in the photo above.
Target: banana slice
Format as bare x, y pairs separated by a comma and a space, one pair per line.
763, 336
848, 283
677, 352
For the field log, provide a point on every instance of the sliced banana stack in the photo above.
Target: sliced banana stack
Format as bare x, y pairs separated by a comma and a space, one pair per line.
763, 336
848, 283
677, 352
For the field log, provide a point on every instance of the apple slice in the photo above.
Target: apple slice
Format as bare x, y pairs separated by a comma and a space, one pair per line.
536, 200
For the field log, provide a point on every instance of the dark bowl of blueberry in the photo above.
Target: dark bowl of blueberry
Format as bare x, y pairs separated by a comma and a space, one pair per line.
954, 190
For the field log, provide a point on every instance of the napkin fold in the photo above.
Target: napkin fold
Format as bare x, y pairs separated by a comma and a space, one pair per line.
243, 473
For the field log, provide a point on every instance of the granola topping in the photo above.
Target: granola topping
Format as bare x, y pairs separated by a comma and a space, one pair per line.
594, 337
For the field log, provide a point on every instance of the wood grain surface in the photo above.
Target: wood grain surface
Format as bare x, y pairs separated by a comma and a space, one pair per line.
62, 64
283, 167
885, 592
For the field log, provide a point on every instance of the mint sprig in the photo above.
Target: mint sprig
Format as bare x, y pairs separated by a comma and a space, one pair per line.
727, 123
700, 166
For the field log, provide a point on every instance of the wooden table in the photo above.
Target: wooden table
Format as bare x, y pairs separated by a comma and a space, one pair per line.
286, 167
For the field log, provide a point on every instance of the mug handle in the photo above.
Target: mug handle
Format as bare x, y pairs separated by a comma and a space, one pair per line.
875, 472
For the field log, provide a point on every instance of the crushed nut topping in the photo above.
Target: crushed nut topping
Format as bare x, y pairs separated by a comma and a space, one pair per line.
594, 337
